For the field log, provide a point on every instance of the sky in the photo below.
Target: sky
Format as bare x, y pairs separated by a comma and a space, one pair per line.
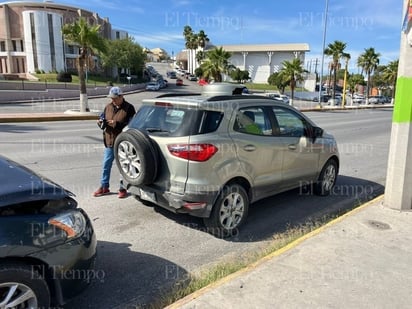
360, 24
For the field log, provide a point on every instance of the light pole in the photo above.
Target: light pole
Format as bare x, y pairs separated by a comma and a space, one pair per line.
323, 52
129, 79
347, 58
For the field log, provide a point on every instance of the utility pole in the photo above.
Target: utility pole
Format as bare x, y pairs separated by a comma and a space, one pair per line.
398, 191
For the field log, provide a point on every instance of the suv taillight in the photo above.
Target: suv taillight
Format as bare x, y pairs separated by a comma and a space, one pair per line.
193, 152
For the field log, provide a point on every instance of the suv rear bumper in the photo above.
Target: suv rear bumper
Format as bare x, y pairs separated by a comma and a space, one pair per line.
197, 204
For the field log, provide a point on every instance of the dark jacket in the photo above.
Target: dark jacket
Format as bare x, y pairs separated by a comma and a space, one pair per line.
121, 116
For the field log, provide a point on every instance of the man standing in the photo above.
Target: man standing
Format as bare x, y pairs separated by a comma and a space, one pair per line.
115, 117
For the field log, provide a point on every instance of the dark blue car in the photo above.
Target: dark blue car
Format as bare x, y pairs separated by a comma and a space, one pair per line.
47, 243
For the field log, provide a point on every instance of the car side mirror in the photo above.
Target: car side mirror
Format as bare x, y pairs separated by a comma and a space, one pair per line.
317, 132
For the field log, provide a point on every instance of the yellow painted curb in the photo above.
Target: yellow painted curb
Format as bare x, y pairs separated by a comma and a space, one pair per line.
278, 252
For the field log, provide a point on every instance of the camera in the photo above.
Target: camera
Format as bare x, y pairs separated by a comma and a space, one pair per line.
102, 122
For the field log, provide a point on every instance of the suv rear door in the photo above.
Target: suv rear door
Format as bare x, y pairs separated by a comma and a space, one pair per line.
260, 153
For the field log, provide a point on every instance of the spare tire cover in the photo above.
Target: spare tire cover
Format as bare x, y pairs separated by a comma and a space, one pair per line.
136, 157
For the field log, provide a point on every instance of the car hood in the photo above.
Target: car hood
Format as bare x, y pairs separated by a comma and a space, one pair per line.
20, 184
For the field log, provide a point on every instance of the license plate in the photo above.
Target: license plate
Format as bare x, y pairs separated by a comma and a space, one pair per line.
147, 196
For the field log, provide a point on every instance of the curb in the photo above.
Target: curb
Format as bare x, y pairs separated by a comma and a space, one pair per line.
46, 117
276, 253
42, 117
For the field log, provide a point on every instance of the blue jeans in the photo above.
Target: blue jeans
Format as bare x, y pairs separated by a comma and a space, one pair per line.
108, 157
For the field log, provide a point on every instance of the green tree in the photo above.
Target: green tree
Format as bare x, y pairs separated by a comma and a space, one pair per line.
192, 43
368, 61
124, 54
354, 80
390, 75
292, 72
336, 51
239, 75
90, 42
277, 79
216, 64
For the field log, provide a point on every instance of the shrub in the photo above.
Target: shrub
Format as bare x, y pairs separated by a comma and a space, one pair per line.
64, 77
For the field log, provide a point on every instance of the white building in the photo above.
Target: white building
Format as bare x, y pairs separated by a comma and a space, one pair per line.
31, 38
259, 60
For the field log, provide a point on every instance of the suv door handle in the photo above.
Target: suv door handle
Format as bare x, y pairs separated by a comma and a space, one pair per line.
249, 148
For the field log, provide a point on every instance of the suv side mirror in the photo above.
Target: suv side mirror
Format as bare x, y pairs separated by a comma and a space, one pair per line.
317, 132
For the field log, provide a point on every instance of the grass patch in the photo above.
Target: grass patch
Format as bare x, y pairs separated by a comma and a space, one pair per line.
195, 282
91, 79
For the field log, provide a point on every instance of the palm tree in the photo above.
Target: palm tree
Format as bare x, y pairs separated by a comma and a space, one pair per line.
293, 72
216, 63
192, 42
390, 74
336, 51
369, 62
202, 39
90, 42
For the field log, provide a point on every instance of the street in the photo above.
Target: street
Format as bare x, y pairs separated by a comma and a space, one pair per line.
144, 250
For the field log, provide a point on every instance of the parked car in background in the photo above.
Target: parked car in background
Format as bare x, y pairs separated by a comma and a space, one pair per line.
202, 82
192, 77
213, 155
337, 100
179, 82
47, 243
377, 99
277, 96
358, 98
152, 86
162, 83
324, 98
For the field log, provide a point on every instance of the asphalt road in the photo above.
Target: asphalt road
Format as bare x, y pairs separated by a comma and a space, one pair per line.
144, 250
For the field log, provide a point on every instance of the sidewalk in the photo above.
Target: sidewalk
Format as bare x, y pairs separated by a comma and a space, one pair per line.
360, 260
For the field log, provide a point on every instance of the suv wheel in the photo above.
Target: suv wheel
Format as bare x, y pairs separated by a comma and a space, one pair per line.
327, 178
22, 287
136, 157
229, 211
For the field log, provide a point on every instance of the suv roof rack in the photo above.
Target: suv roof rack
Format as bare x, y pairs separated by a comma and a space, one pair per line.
237, 97
185, 94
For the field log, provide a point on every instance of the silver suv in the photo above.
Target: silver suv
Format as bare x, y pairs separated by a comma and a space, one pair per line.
212, 155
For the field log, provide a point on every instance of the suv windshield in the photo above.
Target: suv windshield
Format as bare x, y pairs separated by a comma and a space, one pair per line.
171, 121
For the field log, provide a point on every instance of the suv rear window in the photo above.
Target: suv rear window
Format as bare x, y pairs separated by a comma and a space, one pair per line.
170, 121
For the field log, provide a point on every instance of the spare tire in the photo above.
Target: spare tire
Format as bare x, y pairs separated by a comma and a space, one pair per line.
136, 157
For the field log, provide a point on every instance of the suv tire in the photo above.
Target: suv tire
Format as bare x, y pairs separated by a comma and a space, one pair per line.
136, 157
327, 178
229, 211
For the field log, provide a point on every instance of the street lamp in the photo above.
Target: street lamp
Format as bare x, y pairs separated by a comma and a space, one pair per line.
323, 52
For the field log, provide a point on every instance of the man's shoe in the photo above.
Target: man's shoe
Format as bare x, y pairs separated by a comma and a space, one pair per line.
101, 191
122, 193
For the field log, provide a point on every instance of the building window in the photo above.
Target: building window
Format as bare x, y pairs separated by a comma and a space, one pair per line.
117, 35
33, 42
51, 42
70, 49
17, 45
2, 46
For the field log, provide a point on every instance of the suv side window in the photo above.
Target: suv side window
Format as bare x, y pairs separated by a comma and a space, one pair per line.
210, 121
290, 123
252, 120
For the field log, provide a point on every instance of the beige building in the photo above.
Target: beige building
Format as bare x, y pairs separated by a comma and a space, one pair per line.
31, 38
259, 60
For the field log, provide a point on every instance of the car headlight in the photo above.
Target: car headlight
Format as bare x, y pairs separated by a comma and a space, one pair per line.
72, 223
